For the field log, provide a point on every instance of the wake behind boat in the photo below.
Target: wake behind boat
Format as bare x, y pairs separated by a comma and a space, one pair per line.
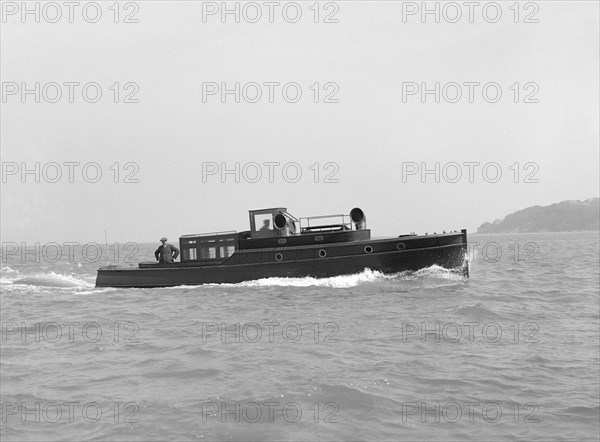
280, 245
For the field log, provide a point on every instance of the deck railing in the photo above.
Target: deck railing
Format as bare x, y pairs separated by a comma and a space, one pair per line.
226, 232
336, 222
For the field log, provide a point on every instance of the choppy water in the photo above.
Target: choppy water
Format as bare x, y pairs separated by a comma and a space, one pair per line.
512, 353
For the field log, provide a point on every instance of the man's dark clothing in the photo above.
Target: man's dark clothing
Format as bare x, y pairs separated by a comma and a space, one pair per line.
166, 253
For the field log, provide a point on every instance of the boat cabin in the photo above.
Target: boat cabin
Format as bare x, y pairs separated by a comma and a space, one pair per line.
208, 246
272, 223
273, 227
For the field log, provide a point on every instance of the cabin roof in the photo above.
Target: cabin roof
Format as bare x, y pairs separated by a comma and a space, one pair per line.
267, 209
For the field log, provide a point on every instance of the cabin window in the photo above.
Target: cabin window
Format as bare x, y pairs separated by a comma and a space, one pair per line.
263, 222
189, 255
226, 247
226, 252
208, 249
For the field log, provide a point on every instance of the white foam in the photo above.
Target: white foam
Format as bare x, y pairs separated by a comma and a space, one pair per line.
346, 281
51, 280
8, 275
342, 281
436, 271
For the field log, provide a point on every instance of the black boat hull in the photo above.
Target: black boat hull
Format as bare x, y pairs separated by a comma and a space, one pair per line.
323, 260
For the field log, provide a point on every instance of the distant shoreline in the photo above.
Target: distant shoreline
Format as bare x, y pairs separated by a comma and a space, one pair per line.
566, 216
534, 233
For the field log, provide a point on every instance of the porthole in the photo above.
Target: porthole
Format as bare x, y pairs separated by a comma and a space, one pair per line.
368, 249
322, 253
278, 257
400, 246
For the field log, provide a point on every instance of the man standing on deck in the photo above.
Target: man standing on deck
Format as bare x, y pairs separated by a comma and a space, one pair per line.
166, 253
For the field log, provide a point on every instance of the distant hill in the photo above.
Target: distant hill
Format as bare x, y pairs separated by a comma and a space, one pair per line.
566, 216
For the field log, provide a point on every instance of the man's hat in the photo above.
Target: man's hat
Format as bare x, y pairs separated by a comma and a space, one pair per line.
163, 238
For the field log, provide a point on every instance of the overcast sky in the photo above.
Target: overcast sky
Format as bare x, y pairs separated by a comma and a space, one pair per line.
367, 145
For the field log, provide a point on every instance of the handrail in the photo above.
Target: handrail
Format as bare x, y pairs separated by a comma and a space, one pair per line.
326, 227
325, 216
292, 217
344, 221
225, 232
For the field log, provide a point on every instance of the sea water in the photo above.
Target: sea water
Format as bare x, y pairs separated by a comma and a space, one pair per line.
511, 353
